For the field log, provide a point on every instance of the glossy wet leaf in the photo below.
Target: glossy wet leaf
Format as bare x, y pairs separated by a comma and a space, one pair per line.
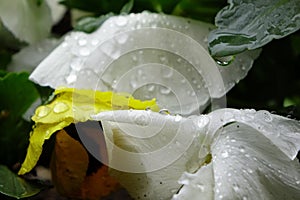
14, 102
72, 106
14, 186
36, 19
250, 24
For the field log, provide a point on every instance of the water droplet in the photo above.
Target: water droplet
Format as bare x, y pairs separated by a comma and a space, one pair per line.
201, 121
95, 42
220, 196
43, 111
76, 64
133, 81
200, 187
142, 119
224, 154
71, 78
244, 198
60, 107
242, 149
250, 171
297, 182
64, 44
265, 115
236, 187
121, 21
224, 61
167, 72
177, 118
84, 51
82, 42
151, 88
122, 39
164, 111
165, 90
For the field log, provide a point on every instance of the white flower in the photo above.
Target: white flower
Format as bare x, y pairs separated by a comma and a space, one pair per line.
227, 154
27, 20
147, 55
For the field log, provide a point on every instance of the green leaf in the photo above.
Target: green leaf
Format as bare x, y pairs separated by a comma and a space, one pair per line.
96, 6
250, 24
90, 24
127, 7
28, 21
14, 186
17, 94
204, 10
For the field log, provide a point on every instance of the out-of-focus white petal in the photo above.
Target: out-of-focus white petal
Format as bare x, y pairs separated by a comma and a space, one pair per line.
27, 20
29, 57
251, 157
57, 10
147, 55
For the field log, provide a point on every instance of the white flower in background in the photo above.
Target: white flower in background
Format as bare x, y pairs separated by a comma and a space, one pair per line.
227, 154
29, 20
147, 55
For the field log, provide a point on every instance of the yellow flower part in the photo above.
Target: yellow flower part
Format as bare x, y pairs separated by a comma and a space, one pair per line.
71, 106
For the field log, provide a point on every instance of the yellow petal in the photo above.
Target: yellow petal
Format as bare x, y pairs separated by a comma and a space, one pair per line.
70, 106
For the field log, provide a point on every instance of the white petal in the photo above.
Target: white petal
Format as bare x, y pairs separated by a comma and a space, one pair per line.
281, 131
57, 10
247, 165
29, 57
250, 160
147, 55
199, 185
25, 19
149, 151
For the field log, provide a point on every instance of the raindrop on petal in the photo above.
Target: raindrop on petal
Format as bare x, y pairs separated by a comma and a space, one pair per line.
177, 118
71, 78
224, 61
121, 21
224, 154
43, 111
60, 107
84, 51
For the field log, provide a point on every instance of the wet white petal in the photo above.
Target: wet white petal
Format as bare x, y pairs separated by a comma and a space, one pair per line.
149, 158
25, 19
251, 157
147, 55
199, 185
247, 165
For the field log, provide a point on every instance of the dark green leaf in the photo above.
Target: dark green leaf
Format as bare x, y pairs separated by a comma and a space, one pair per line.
14, 186
250, 24
204, 10
17, 94
99, 7
90, 24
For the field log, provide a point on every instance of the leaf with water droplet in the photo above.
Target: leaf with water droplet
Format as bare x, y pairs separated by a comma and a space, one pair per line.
246, 25
15, 186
